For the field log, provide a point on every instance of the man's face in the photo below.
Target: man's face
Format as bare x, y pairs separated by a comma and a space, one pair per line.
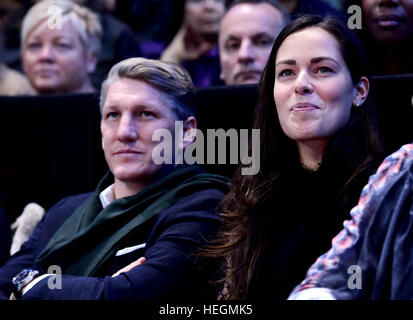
133, 110
389, 20
246, 36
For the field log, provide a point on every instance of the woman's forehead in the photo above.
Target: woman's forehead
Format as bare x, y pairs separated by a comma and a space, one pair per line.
312, 41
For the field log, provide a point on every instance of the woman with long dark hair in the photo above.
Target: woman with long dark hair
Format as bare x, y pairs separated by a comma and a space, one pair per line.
318, 145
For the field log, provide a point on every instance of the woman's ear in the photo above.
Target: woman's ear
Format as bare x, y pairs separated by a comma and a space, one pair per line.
361, 91
92, 60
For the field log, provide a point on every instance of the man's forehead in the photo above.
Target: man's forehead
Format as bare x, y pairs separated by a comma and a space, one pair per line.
246, 19
135, 91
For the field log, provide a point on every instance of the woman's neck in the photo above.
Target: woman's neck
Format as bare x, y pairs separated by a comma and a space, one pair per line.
311, 153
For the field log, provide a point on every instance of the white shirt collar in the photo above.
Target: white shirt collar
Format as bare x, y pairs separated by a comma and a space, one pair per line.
107, 196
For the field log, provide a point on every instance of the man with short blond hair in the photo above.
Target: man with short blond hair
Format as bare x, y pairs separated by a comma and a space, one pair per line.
136, 236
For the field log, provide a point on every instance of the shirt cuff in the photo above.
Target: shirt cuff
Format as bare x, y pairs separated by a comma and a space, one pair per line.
34, 282
313, 294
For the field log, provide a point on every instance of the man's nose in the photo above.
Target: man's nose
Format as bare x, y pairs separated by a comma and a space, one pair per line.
128, 129
246, 52
303, 84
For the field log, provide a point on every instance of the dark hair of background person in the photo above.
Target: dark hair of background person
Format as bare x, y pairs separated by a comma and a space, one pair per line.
357, 145
152, 19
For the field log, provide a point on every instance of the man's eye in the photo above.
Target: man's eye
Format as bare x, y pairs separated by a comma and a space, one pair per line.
232, 45
263, 42
147, 114
111, 115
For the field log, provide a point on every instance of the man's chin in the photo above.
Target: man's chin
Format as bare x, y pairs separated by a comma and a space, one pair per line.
47, 88
252, 80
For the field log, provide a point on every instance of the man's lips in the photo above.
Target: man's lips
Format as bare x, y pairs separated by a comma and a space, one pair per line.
304, 107
389, 21
248, 74
45, 72
127, 152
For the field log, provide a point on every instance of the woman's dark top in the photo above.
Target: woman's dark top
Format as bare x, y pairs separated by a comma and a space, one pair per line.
5, 237
304, 213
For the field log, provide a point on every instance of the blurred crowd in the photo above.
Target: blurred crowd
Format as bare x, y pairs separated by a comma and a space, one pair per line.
185, 32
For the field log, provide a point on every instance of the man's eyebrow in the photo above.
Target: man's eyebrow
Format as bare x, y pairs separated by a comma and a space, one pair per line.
262, 34
110, 106
231, 37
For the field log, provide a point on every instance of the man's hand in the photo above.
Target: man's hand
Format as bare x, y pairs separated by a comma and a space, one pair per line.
129, 267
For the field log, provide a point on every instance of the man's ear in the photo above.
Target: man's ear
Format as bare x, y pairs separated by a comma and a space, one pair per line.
361, 91
190, 126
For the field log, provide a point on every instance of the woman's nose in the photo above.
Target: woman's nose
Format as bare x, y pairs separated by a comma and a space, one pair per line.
303, 84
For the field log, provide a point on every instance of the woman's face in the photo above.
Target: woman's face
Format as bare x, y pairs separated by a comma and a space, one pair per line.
55, 60
313, 89
389, 20
203, 16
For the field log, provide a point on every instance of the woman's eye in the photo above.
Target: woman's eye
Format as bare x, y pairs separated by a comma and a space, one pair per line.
62, 45
323, 70
285, 73
33, 45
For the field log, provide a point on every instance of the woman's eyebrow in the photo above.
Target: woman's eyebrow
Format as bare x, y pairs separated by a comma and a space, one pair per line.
289, 62
319, 59
313, 60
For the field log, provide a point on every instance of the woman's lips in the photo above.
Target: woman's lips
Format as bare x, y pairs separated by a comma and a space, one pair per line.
300, 107
389, 21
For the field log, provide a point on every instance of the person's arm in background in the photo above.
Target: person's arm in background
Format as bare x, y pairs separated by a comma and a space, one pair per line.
330, 271
184, 47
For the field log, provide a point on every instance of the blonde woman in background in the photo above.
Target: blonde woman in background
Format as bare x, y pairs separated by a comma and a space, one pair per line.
60, 58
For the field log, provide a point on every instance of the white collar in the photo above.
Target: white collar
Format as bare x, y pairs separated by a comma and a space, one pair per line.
107, 196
